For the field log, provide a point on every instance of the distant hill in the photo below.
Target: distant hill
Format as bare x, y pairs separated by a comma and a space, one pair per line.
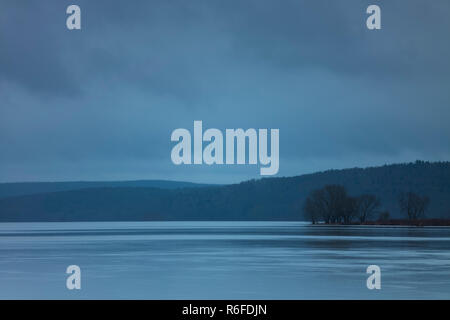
264, 199
25, 188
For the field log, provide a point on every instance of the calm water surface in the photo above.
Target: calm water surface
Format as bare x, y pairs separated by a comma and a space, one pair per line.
222, 260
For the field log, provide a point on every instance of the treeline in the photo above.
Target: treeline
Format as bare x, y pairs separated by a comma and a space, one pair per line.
332, 205
267, 199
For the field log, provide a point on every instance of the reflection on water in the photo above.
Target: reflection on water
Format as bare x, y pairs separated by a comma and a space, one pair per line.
222, 260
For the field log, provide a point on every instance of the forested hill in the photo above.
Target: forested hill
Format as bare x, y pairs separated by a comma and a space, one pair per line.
265, 199
24, 188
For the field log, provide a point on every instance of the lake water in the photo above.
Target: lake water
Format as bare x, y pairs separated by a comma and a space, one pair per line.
222, 260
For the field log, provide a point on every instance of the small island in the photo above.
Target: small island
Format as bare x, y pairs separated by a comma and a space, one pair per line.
332, 205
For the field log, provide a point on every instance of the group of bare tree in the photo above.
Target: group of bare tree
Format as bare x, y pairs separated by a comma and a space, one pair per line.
332, 204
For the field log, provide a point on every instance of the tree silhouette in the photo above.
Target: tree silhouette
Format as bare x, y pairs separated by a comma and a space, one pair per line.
312, 209
413, 205
367, 204
330, 204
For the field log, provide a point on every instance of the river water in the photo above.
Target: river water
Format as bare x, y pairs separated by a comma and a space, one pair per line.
222, 260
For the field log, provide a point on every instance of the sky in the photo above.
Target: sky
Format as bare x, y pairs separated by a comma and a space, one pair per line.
101, 103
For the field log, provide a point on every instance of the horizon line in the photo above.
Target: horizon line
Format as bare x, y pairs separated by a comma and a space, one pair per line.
222, 184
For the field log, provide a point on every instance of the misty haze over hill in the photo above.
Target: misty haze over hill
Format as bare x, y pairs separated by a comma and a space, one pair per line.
264, 199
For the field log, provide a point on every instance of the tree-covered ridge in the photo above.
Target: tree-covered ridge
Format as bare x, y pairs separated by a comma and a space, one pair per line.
264, 199
24, 188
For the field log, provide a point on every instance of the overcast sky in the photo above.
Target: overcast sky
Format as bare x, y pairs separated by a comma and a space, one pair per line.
101, 103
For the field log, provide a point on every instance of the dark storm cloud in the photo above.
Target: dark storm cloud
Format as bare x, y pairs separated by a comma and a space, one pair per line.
30, 40
295, 33
328, 34
102, 102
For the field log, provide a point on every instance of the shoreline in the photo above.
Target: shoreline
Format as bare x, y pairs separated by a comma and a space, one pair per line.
396, 222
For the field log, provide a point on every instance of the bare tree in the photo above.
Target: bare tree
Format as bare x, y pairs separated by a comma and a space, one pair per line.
413, 205
337, 203
312, 210
367, 204
349, 210
331, 204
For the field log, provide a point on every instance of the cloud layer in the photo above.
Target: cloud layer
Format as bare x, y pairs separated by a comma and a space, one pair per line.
101, 103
